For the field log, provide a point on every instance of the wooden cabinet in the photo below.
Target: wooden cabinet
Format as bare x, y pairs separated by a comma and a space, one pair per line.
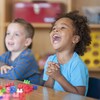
5, 17
2, 24
41, 41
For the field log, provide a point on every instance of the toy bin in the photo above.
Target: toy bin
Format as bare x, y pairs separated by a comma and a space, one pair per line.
92, 56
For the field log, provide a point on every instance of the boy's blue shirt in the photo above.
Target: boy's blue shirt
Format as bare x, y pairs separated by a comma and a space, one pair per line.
24, 67
74, 71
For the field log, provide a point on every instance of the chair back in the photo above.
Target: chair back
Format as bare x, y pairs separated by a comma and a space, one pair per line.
94, 88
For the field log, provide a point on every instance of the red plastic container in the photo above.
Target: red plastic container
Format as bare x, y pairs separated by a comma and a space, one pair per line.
41, 12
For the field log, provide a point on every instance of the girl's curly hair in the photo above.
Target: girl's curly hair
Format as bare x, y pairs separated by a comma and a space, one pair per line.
82, 29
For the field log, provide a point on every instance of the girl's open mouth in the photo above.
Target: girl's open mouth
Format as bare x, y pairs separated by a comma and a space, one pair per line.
56, 38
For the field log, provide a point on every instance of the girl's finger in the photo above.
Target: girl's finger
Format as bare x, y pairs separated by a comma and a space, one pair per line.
57, 65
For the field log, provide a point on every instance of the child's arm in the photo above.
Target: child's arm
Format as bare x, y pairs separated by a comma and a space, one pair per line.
70, 88
22, 69
1, 63
49, 82
5, 68
56, 75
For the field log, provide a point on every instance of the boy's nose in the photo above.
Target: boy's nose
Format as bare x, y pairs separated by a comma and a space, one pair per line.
11, 37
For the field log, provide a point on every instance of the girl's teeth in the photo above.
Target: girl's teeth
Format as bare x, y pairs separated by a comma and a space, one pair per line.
56, 39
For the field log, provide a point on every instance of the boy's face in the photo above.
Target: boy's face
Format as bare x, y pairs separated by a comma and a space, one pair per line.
62, 35
15, 39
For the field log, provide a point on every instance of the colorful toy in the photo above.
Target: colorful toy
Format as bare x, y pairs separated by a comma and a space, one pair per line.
7, 89
1, 87
35, 87
19, 91
16, 95
3, 90
13, 89
26, 82
9, 84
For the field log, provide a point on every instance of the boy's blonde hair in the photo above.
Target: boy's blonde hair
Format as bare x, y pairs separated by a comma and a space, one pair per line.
28, 27
30, 31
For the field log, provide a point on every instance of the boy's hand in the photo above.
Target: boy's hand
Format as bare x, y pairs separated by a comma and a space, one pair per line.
53, 70
5, 68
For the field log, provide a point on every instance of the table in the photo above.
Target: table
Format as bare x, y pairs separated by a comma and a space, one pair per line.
43, 93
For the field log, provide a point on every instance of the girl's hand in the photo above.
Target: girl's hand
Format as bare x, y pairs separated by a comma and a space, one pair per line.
53, 70
4, 69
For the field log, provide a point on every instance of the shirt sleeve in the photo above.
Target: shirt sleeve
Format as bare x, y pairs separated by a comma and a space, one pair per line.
2, 63
79, 75
24, 68
3, 58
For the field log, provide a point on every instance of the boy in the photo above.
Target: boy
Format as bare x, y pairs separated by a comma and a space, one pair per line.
65, 71
18, 63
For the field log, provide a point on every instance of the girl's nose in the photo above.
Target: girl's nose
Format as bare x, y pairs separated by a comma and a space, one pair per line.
57, 29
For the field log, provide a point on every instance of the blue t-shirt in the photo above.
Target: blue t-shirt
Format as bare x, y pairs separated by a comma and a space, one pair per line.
74, 71
24, 67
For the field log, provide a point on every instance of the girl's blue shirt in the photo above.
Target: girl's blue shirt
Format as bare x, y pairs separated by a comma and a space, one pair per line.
75, 72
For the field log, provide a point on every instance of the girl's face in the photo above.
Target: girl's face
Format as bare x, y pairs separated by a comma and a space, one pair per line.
15, 39
62, 34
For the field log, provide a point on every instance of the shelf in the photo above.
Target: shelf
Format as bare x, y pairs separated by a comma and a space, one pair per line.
41, 25
48, 25
45, 25
94, 26
37, 25
94, 69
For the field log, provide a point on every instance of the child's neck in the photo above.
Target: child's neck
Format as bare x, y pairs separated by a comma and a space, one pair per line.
64, 57
14, 55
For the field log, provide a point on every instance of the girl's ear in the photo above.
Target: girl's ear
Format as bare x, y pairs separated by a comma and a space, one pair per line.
76, 39
28, 42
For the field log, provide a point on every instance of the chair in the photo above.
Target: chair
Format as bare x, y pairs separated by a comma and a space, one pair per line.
94, 88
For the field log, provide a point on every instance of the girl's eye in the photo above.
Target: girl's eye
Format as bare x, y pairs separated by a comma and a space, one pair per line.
63, 27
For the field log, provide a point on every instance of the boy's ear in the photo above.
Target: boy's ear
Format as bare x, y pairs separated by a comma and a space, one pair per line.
76, 39
28, 42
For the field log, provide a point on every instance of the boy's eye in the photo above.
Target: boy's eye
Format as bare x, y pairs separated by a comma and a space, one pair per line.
53, 28
7, 33
16, 34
